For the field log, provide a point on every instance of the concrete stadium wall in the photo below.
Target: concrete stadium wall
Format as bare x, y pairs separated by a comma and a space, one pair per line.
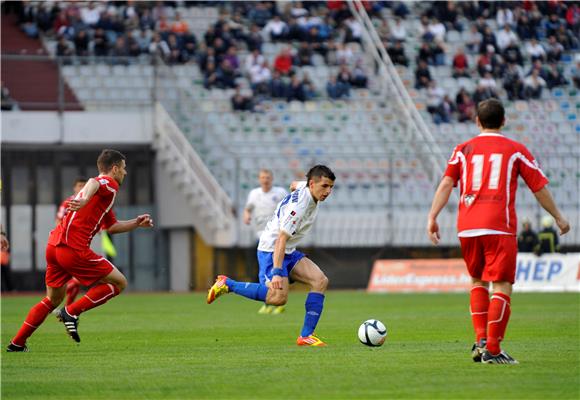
82, 127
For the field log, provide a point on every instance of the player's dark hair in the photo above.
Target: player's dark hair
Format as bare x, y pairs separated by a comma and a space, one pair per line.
320, 171
80, 179
491, 113
108, 159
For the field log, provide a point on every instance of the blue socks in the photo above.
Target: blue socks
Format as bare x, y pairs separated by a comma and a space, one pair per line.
314, 305
254, 291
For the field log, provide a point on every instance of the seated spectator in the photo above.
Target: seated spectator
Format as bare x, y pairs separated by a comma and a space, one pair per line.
337, 90
277, 87
466, 109
489, 84
63, 49
276, 29
259, 14
487, 39
552, 24
295, 89
449, 16
506, 36
513, 82
397, 54
512, 54
437, 29
554, 77
435, 96
241, 102
316, 43
100, 43
179, 26
309, 88
481, 94
146, 21
422, 75
283, 61
535, 51
359, 77
554, 49
353, 30
226, 75
160, 47
90, 14
490, 62
504, 17
260, 76
232, 57
398, 31
210, 79
189, 47
525, 29
254, 58
254, 38
344, 54
344, 75
533, 85
423, 31
237, 26
438, 50
426, 54
304, 55
295, 31
384, 30
133, 47
460, 64
473, 40
174, 50
82, 44
120, 51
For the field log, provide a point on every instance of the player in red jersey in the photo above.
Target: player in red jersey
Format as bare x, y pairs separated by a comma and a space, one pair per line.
487, 168
68, 253
73, 286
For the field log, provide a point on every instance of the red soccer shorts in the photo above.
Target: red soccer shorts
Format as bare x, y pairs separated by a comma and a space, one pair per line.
491, 258
63, 263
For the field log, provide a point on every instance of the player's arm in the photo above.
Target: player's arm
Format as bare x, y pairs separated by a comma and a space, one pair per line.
439, 201
278, 259
85, 195
546, 200
142, 221
247, 215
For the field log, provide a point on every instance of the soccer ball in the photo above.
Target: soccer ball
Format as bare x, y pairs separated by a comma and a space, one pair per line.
372, 332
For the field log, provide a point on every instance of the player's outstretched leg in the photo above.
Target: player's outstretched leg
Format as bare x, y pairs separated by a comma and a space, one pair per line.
109, 287
35, 318
307, 272
224, 285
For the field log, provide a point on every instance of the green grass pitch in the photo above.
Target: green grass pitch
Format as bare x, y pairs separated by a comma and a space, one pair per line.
169, 346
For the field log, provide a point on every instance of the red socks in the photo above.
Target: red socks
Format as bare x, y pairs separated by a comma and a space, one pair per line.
479, 308
72, 290
96, 296
498, 317
34, 319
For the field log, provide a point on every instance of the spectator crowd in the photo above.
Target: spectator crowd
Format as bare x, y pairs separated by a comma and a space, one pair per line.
520, 53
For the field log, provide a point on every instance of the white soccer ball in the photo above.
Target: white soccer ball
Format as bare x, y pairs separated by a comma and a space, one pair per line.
372, 333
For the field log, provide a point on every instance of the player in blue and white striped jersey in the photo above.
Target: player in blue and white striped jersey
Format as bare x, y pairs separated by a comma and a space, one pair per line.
279, 260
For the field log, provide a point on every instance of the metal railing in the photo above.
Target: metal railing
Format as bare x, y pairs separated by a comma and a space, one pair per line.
422, 137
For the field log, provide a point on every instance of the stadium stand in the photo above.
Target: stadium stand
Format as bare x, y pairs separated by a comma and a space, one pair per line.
192, 56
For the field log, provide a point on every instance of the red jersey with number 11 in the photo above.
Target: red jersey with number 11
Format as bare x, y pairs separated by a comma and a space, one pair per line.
78, 228
487, 168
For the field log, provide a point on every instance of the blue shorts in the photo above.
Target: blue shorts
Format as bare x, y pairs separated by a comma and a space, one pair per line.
266, 263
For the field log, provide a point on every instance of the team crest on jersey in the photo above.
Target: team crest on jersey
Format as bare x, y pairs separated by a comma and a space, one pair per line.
468, 199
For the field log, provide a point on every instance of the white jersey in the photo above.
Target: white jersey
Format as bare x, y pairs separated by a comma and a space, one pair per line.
262, 205
294, 215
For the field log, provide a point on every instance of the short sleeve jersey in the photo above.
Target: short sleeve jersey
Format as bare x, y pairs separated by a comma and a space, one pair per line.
262, 205
487, 168
295, 215
78, 228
